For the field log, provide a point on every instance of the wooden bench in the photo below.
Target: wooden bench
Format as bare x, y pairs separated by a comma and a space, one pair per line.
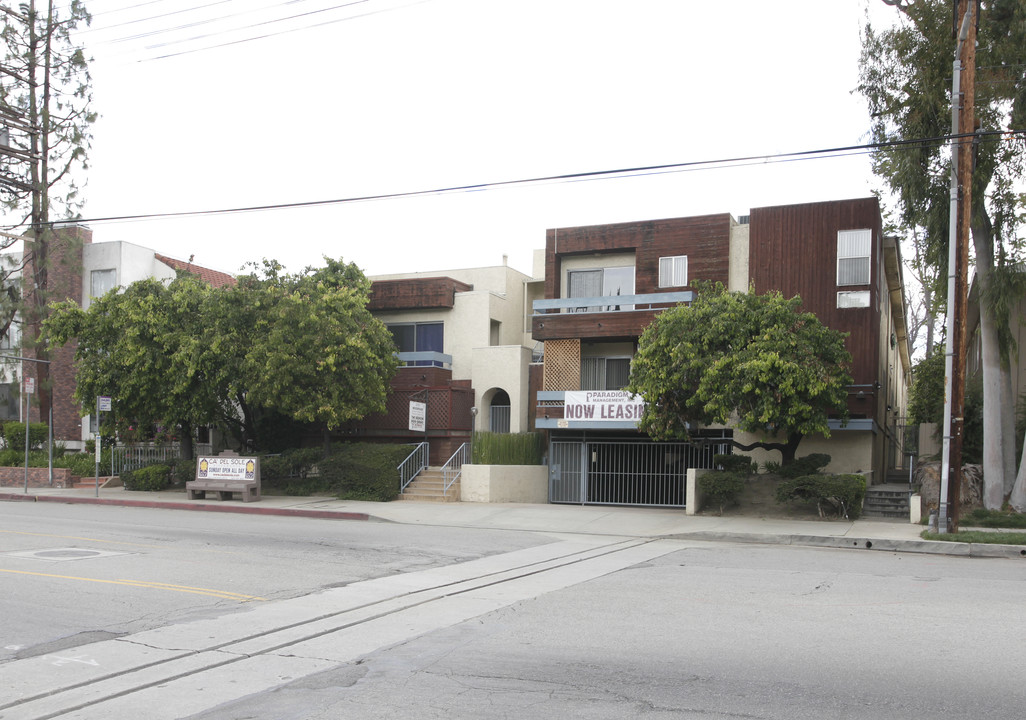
226, 474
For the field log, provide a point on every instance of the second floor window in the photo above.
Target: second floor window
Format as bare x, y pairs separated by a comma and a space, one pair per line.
601, 282
853, 254
600, 373
101, 282
673, 271
418, 337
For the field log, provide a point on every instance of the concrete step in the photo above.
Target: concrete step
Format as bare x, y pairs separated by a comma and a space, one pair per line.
429, 486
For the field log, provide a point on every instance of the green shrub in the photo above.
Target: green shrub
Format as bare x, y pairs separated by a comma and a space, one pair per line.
14, 435
722, 488
736, 463
808, 465
363, 471
841, 494
150, 477
490, 448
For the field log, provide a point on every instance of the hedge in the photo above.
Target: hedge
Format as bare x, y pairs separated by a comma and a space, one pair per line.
842, 494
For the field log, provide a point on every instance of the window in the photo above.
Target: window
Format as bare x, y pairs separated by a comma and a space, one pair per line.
853, 299
101, 282
601, 282
418, 337
853, 251
599, 373
673, 271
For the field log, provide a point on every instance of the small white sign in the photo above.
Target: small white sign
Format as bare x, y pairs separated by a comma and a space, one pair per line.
30, 385
418, 416
103, 403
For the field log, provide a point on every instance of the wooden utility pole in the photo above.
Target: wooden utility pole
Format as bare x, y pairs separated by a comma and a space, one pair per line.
957, 305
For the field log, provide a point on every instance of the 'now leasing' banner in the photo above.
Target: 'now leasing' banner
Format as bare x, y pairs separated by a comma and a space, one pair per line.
602, 406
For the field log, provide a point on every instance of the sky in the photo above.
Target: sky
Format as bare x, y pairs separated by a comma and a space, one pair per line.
352, 99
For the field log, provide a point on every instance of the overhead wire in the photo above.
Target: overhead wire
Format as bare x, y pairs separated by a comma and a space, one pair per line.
722, 163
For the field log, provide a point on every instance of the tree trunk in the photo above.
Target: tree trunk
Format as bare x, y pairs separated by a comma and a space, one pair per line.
990, 356
185, 445
1017, 500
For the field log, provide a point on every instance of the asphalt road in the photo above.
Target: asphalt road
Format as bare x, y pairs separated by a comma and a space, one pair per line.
521, 625
71, 574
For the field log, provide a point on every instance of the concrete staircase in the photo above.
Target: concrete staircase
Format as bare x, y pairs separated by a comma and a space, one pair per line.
889, 500
428, 487
89, 482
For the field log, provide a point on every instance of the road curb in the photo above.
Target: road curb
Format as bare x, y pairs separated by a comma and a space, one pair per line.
207, 507
931, 547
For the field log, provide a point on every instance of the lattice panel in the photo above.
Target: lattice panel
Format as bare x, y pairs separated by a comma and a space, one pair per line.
562, 365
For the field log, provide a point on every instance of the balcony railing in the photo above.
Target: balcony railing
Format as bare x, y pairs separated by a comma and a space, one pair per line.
612, 303
425, 359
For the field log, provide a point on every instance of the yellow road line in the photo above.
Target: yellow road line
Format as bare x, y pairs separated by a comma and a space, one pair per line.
224, 594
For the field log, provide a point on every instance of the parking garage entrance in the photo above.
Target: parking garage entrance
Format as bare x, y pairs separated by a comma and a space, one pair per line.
628, 471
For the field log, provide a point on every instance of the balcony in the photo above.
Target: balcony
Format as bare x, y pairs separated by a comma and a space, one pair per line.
608, 316
425, 359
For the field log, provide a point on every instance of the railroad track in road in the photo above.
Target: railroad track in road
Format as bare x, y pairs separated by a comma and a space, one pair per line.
179, 670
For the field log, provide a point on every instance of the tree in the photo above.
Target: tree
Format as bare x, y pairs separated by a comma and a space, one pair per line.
181, 355
145, 347
45, 117
756, 361
905, 74
315, 353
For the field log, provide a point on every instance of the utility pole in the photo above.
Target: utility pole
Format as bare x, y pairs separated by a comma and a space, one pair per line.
963, 123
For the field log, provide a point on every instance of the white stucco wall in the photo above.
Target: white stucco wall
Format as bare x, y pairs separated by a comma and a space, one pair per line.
505, 484
502, 367
129, 261
850, 451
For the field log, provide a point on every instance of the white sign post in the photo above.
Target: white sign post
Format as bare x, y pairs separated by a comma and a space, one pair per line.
30, 387
103, 404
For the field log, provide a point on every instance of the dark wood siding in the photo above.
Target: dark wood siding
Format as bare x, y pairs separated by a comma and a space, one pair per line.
705, 240
793, 249
415, 293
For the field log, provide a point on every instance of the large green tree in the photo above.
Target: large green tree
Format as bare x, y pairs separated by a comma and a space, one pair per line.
905, 74
147, 348
310, 348
299, 347
754, 361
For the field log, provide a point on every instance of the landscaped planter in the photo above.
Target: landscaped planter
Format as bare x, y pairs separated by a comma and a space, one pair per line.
505, 484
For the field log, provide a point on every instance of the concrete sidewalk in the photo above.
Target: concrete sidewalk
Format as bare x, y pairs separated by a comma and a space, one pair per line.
588, 519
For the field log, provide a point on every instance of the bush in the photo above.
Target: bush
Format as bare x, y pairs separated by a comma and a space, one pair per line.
14, 435
736, 463
490, 448
284, 470
842, 494
808, 465
722, 487
363, 471
150, 477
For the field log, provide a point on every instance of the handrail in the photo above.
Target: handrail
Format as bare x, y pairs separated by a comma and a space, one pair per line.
453, 467
413, 464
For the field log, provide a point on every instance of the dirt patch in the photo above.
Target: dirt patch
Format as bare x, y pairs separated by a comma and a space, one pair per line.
758, 499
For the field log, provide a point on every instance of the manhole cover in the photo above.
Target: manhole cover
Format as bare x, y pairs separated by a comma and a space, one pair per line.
61, 554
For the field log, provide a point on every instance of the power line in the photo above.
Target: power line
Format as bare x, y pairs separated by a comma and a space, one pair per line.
843, 151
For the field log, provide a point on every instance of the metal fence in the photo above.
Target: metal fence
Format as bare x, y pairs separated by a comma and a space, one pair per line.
133, 457
625, 473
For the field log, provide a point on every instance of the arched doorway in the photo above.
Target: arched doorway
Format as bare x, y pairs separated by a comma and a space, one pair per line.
498, 412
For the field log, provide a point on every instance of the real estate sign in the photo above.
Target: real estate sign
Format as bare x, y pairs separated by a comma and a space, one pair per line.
602, 406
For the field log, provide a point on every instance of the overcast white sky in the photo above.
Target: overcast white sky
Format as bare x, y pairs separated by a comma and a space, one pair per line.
387, 96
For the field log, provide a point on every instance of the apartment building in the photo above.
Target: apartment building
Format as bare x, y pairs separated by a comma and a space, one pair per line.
604, 284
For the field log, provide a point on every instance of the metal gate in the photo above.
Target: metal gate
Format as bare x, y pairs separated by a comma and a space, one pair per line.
625, 473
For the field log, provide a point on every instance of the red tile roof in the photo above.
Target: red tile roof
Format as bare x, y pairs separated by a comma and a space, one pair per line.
214, 278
